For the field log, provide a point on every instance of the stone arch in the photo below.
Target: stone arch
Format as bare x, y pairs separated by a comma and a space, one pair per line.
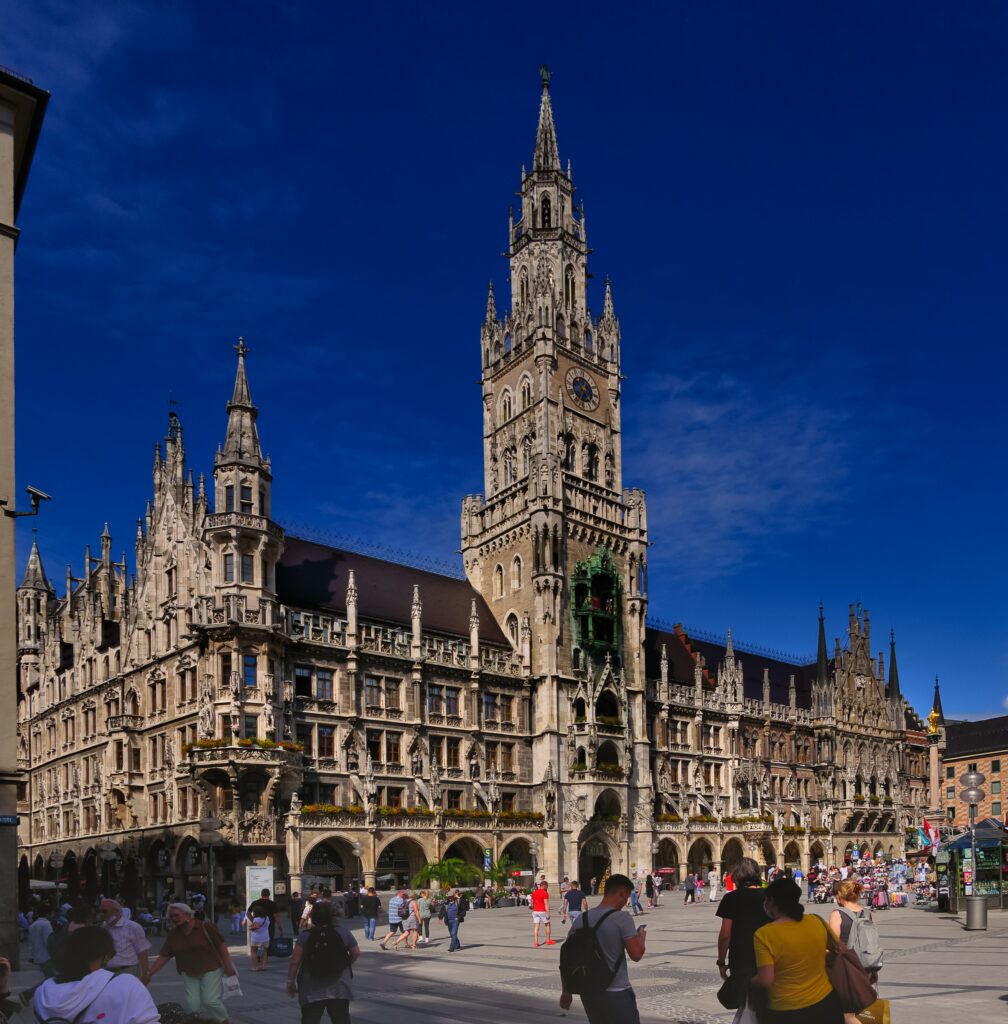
607, 705
188, 857
668, 855
878, 850
131, 702
329, 861
608, 755
768, 852
816, 853
731, 853
518, 850
598, 855
608, 805
464, 847
700, 858
398, 860
792, 855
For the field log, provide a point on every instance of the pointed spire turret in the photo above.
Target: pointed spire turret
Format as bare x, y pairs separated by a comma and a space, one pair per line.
822, 658
547, 155
491, 310
242, 439
937, 705
608, 310
34, 576
894, 686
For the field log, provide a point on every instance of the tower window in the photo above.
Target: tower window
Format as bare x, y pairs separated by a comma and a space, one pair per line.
246, 498
229, 568
547, 212
588, 341
249, 670
570, 288
516, 573
499, 581
247, 563
512, 629
229, 498
523, 288
526, 393
505, 406
262, 501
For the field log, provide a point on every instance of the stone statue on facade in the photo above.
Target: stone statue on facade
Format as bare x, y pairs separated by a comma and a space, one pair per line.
792, 786
549, 796
827, 816
295, 802
474, 765
170, 801
75, 785
435, 782
169, 754
205, 721
268, 718
235, 682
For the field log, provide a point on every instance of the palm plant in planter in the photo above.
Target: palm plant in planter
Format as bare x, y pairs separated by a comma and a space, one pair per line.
448, 872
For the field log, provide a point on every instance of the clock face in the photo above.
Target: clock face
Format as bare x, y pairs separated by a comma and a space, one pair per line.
583, 390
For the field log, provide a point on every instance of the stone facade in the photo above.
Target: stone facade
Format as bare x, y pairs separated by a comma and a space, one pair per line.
332, 713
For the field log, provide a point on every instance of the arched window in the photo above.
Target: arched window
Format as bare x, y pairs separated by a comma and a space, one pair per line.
510, 469
516, 573
523, 288
499, 581
505, 406
547, 212
568, 452
526, 393
570, 288
507, 343
511, 622
526, 459
588, 341
561, 328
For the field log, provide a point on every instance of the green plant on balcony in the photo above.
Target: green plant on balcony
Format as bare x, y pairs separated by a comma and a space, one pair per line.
608, 720
673, 818
245, 742
819, 831
874, 801
708, 818
610, 769
580, 719
859, 799
793, 830
317, 810
581, 767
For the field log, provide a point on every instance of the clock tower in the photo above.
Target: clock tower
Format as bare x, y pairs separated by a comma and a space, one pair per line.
555, 544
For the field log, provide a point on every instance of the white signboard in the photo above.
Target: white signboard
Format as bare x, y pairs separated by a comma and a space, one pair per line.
256, 879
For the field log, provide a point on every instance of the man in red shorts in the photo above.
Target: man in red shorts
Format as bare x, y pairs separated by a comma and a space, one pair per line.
541, 913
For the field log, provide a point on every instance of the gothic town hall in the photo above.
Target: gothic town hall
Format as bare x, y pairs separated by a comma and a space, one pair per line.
336, 713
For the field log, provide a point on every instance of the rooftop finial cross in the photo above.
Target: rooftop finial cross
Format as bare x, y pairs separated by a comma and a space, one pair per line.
544, 75
241, 348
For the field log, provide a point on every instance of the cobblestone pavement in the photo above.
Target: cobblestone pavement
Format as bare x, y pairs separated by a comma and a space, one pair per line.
934, 970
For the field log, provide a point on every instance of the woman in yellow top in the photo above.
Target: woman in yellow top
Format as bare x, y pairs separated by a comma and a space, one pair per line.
791, 961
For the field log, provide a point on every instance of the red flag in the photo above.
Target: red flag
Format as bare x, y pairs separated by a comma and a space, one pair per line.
931, 832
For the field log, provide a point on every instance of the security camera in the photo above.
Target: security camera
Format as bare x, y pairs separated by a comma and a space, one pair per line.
37, 497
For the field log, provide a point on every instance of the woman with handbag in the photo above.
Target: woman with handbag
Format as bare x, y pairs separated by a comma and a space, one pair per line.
791, 961
202, 958
741, 912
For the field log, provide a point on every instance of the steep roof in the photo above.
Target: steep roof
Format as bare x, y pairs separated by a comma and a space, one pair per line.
987, 736
311, 575
680, 649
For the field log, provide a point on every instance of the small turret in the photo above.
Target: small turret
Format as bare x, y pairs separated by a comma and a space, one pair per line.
894, 684
547, 153
822, 658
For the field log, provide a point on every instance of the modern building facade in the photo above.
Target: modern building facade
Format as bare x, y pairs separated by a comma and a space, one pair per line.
336, 714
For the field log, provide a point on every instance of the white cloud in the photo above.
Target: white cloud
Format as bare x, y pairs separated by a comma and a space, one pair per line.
730, 465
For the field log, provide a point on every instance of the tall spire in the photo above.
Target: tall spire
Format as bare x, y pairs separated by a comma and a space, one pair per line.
242, 440
547, 155
822, 658
936, 706
491, 310
35, 577
894, 687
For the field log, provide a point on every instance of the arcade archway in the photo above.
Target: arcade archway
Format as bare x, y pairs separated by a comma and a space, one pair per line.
398, 862
731, 854
700, 858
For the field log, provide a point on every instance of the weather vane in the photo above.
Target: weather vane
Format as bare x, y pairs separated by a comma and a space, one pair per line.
544, 75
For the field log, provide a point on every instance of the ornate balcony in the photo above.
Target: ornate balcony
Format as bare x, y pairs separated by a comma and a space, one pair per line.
126, 723
208, 753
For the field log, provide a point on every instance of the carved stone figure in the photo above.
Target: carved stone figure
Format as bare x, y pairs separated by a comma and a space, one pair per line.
268, 719
205, 722
295, 802
792, 787
169, 754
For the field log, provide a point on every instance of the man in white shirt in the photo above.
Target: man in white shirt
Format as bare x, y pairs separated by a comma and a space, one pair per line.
712, 883
130, 940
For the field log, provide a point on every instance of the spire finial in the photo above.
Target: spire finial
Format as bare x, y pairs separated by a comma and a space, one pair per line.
491, 309
241, 348
547, 155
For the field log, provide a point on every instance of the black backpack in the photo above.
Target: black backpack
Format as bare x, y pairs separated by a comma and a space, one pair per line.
463, 907
326, 954
583, 965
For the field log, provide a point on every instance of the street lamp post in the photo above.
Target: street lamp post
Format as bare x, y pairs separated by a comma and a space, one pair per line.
533, 852
357, 853
211, 838
976, 906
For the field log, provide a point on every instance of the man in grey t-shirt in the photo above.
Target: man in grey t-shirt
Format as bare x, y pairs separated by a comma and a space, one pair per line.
618, 938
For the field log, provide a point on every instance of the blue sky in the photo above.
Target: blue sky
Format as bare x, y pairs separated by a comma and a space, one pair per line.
801, 207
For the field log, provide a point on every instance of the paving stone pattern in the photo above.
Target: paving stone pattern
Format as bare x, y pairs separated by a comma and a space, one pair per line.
934, 971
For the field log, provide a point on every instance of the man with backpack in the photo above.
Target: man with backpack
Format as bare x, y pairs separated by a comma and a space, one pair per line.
321, 967
593, 958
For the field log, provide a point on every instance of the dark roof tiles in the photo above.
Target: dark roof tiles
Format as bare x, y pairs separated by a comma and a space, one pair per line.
311, 575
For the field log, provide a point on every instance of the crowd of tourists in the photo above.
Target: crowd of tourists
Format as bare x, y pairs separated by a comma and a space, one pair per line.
96, 965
